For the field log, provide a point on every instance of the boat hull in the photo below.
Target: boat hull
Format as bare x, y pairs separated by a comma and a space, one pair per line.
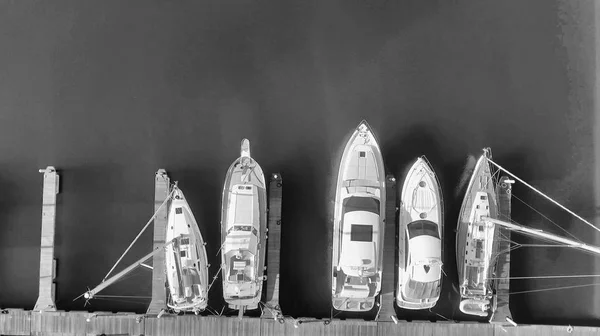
476, 243
358, 229
185, 260
419, 250
243, 232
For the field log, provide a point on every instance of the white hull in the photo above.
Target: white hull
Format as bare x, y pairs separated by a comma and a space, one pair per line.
475, 246
359, 217
420, 239
186, 260
243, 232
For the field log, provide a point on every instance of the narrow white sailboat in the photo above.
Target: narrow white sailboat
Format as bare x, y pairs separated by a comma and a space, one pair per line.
475, 242
185, 259
420, 238
243, 232
358, 228
478, 237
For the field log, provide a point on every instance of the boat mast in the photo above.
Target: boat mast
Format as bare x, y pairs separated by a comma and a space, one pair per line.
105, 283
544, 235
544, 195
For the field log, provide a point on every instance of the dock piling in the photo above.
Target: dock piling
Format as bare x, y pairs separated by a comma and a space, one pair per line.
161, 192
47, 287
387, 299
502, 315
272, 309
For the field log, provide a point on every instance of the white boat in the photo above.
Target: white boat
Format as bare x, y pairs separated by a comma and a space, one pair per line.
358, 229
185, 259
475, 242
420, 238
243, 232
478, 238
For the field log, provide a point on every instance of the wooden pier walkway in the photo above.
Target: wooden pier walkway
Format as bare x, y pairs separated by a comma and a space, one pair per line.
47, 288
387, 299
272, 309
21, 322
161, 191
503, 191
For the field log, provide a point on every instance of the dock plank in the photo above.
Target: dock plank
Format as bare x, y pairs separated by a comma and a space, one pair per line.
83, 323
15, 322
161, 191
273, 248
46, 299
191, 325
79, 323
434, 329
387, 299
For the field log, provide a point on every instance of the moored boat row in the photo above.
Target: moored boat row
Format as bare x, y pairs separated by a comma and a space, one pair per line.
243, 237
359, 228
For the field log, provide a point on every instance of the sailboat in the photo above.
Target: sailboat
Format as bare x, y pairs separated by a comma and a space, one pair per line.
243, 232
185, 259
475, 241
420, 238
358, 225
478, 238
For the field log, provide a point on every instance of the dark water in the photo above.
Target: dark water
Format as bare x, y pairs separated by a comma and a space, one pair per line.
109, 93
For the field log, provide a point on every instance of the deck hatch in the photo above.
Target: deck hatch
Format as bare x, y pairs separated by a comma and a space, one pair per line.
362, 233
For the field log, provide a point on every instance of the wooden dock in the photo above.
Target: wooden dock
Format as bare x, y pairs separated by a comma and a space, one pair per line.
387, 299
47, 288
161, 191
272, 309
502, 314
21, 322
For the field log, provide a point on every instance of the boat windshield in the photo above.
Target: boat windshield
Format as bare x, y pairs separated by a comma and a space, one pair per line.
423, 228
356, 203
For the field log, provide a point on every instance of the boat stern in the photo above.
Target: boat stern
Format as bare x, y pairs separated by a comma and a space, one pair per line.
414, 305
353, 304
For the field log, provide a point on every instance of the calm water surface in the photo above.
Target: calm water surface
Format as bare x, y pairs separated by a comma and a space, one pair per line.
109, 93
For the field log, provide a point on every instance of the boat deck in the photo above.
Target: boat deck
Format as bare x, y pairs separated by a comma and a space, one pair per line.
273, 248
47, 288
503, 191
388, 281
161, 191
21, 322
